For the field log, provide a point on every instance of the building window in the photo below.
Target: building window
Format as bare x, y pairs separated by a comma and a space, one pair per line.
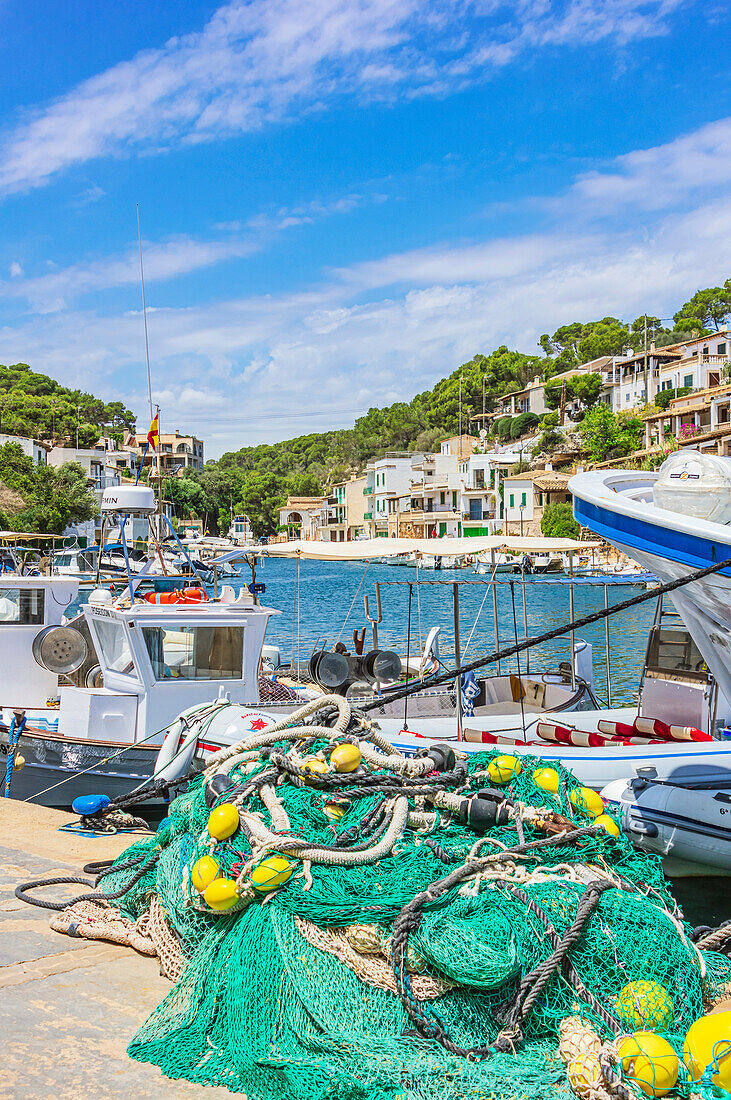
540, 500
441, 498
721, 349
512, 500
688, 380
522, 500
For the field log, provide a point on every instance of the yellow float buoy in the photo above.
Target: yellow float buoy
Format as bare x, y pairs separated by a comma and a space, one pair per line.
649, 1062
588, 801
313, 765
503, 769
271, 873
709, 1041
205, 870
547, 779
223, 821
19, 763
607, 823
346, 757
335, 810
221, 894
645, 1004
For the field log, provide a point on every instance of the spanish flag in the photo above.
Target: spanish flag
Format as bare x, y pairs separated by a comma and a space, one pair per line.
153, 436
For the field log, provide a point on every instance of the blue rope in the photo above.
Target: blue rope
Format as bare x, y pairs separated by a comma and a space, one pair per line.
16, 729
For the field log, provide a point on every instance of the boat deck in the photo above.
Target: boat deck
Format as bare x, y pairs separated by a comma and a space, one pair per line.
69, 1006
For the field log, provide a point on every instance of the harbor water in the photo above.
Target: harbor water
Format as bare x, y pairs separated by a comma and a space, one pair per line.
330, 607
321, 603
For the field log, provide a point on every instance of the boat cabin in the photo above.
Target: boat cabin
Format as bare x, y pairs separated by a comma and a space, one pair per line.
159, 660
30, 606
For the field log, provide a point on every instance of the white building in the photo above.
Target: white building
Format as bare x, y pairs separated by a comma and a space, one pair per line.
388, 489
302, 516
479, 498
434, 503
344, 514
33, 448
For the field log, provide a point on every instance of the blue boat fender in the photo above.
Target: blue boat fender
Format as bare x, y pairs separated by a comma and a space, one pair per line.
87, 804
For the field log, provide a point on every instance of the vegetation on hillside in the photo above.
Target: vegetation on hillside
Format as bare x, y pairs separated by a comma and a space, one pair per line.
32, 404
557, 521
41, 498
257, 480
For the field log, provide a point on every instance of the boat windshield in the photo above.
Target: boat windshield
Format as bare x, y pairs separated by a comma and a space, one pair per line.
115, 651
195, 652
22, 605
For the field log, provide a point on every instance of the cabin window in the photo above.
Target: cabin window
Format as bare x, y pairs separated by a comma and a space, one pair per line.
116, 654
22, 605
195, 652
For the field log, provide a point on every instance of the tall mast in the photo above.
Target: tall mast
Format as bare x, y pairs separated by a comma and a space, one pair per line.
144, 314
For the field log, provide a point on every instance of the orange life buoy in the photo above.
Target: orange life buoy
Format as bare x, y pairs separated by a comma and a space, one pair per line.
162, 597
193, 595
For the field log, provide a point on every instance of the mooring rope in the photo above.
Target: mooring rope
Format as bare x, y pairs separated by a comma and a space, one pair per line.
549, 635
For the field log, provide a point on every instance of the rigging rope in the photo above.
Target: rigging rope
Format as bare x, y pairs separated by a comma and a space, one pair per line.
549, 635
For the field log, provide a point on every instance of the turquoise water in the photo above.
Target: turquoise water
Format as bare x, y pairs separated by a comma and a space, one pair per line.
327, 591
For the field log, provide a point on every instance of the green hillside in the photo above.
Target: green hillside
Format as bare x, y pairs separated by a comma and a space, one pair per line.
32, 404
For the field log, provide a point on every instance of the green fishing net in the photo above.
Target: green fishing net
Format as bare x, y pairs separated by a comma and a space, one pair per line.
264, 1009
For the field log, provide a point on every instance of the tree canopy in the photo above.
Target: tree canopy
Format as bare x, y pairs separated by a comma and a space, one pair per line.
42, 498
32, 404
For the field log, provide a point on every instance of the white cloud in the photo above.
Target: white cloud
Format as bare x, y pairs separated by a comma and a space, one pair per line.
263, 61
314, 355
53, 292
50, 293
652, 179
252, 369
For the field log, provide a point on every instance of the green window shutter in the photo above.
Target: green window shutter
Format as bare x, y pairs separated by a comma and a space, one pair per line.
522, 500
454, 498
512, 500
441, 498
442, 528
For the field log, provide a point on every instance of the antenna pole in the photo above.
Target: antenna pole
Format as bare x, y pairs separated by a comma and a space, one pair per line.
144, 314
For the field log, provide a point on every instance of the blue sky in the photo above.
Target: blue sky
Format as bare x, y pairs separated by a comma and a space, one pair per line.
344, 199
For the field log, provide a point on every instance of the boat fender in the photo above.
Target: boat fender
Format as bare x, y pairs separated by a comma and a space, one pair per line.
443, 756
88, 804
162, 597
616, 729
566, 735
217, 786
174, 758
655, 727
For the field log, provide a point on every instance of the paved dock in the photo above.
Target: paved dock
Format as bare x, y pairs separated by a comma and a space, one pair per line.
69, 1007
